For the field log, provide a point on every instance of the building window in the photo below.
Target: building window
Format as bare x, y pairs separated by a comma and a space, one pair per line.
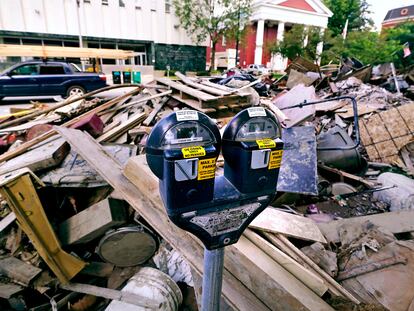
121, 3
86, 1
167, 6
137, 4
105, 2
153, 5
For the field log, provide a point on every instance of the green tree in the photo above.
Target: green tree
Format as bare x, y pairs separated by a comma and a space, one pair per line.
367, 46
293, 46
356, 11
212, 19
402, 34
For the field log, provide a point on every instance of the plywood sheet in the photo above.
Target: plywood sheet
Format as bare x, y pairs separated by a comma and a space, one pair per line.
272, 220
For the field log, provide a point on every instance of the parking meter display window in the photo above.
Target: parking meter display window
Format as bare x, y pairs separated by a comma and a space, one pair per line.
187, 134
252, 150
257, 128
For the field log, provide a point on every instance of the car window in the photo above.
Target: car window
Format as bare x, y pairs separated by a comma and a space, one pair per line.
74, 67
26, 70
52, 70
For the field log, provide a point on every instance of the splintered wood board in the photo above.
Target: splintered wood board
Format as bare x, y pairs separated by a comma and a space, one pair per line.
274, 221
385, 133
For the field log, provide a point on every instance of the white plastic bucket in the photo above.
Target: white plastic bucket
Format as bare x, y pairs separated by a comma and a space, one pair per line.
152, 284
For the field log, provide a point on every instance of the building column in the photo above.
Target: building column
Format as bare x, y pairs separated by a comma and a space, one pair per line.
280, 31
259, 42
278, 62
319, 47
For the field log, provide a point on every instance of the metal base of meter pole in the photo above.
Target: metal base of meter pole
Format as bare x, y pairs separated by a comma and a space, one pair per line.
212, 279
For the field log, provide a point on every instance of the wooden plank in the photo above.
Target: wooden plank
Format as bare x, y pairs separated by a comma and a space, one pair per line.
193, 104
208, 89
395, 222
123, 127
307, 277
18, 270
6, 221
24, 147
113, 294
8, 290
47, 155
287, 247
272, 220
187, 90
217, 86
92, 222
154, 112
147, 202
286, 282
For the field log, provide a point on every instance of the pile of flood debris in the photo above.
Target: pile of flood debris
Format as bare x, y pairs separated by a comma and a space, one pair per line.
83, 227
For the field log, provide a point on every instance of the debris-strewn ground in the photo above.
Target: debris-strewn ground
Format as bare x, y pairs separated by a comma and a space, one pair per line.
79, 231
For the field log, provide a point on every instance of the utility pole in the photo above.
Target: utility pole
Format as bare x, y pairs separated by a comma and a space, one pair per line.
80, 32
238, 36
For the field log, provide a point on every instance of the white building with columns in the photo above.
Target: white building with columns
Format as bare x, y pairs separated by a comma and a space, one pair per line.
268, 23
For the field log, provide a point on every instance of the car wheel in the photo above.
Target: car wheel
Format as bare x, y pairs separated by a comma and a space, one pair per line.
75, 90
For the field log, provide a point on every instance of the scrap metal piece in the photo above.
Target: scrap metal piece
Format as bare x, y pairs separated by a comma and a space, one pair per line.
298, 172
18, 188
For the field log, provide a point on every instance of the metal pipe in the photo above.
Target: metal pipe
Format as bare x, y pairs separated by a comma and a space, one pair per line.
356, 118
212, 279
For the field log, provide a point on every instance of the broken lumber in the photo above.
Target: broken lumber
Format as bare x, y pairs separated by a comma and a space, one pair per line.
113, 294
24, 147
307, 277
93, 222
62, 104
272, 220
208, 89
395, 222
18, 270
122, 128
286, 246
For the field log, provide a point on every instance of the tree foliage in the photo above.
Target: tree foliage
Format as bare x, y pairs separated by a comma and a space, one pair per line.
212, 19
356, 11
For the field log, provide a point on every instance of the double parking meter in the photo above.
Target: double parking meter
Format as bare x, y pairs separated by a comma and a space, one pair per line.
182, 150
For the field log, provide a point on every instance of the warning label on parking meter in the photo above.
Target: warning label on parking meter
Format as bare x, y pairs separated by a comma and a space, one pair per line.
206, 168
265, 143
193, 152
275, 159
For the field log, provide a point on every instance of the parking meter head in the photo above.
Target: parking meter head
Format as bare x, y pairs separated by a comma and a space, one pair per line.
252, 150
181, 151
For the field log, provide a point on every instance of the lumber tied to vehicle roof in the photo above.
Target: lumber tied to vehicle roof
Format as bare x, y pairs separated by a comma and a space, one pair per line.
246, 284
25, 146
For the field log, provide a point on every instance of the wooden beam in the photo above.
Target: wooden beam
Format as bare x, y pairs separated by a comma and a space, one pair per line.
25, 146
286, 246
123, 127
205, 88
187, 90
395, 222
272, 220
113, 294
307, 277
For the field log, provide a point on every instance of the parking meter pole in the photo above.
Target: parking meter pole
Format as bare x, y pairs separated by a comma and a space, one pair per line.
212, 279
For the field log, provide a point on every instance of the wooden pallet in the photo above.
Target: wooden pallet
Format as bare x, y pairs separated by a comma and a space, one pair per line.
205, 97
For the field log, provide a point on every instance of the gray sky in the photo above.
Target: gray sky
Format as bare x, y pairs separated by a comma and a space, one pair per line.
380, 7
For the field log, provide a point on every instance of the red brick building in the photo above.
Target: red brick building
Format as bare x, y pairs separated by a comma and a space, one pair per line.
398, 16
268, 22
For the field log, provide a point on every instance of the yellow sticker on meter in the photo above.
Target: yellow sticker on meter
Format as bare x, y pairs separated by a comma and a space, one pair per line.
275, 159
265, 143
193, 152
206, 168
